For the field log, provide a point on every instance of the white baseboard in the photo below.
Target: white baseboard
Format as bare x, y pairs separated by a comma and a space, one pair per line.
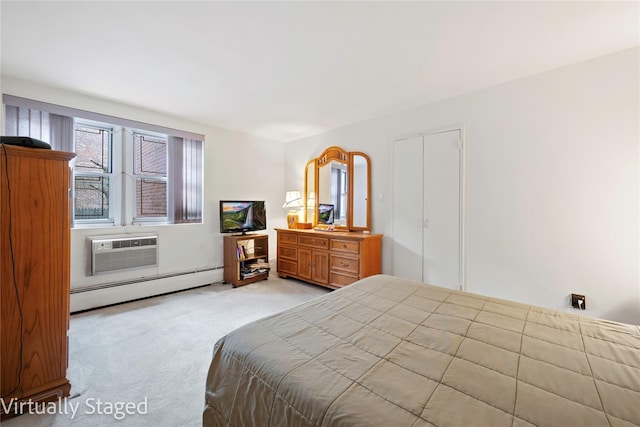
101, 297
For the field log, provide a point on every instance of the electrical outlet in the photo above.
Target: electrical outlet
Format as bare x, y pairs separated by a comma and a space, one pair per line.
578, 301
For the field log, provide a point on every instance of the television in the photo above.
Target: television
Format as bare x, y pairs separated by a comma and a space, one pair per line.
325, 214
242, 216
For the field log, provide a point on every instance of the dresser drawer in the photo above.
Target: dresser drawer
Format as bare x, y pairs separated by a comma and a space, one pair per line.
339, 280
345, 264
288, 252
287, 238
345, 246
314, 242
287, 267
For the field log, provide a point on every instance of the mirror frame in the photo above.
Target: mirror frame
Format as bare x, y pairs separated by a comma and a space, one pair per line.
330, 154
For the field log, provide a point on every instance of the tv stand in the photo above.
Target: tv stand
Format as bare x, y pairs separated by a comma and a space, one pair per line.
246, 258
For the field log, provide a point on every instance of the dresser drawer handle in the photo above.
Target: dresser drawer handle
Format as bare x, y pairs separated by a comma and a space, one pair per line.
344, 264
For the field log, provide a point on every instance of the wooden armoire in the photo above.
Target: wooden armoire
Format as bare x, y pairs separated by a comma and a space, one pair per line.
35, 274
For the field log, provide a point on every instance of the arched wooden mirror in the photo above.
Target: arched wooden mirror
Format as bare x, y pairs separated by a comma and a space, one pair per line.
338, 190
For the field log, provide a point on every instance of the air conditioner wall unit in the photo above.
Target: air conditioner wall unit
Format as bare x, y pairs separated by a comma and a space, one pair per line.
116, 253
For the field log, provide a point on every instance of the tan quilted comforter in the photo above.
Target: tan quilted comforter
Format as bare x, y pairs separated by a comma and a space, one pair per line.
392, 352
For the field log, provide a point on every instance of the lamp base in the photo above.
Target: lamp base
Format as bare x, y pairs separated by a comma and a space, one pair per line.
292, 219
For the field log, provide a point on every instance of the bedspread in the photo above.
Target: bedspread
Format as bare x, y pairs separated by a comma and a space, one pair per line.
387, 351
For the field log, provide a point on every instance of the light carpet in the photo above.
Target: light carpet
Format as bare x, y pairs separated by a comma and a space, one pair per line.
153, 354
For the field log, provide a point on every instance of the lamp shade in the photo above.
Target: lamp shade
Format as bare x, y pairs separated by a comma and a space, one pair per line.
293, 200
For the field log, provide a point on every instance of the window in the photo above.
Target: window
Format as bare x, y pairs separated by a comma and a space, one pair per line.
150, 170
92, 172
125, 172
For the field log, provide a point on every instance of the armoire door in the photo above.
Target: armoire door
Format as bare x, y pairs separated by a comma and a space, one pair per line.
427, 210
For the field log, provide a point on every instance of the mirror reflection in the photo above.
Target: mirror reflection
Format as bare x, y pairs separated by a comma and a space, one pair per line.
360, 200
332, 194
310, 192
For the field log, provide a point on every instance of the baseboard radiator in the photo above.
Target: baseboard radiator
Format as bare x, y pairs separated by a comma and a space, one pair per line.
116, 253
119, 291
141, 280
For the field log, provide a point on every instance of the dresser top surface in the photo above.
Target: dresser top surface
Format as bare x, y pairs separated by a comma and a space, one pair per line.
331, 234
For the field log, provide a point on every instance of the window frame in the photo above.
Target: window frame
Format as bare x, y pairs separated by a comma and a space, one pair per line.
110, 176
133, 191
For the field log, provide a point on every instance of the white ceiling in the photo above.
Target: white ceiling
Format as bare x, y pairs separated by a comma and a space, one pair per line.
286, 70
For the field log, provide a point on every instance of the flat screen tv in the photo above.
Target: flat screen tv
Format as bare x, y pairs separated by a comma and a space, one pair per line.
325, 213
242, 216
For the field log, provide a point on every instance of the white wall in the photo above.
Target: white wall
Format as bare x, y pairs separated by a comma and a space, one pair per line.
236, 166
552, 183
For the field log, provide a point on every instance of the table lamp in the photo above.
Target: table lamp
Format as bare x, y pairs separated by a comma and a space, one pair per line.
292, 201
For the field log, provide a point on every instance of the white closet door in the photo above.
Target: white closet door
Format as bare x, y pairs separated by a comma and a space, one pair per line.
442, 213
407, 208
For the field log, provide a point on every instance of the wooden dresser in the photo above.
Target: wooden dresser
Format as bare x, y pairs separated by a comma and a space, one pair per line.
328, 258
35, 275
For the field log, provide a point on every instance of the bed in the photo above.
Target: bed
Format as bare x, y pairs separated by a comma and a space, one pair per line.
387, 351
